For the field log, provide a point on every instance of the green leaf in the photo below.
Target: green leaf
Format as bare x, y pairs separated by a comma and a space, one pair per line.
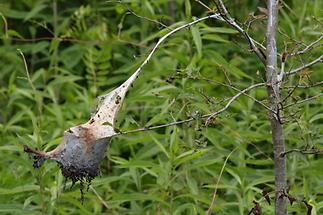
19, 189
15, 209
188, 8
190, 155
222, 30
35, 11
160, 145
136, 197
231, 69
316, 117
197, 39
13, 33
214, 38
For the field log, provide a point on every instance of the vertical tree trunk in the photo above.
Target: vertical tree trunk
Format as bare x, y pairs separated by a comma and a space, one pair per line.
274, 98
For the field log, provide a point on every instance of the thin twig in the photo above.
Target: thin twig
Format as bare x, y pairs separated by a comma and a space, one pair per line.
304, 86
161, 40
159, 126
253, 98
218, 181
299, 69
44, 26
305, 100
209, 119
303, 151
204, 5
244, 139
137, 15
234, 88
307, 48
209, 116
290, 93
229, 20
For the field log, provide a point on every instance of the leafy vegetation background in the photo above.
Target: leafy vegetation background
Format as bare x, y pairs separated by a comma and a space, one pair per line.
77, 50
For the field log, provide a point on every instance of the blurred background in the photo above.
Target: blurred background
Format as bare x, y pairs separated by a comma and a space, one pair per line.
78, 50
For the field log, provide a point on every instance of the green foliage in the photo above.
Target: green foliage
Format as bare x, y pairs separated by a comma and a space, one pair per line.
77, 51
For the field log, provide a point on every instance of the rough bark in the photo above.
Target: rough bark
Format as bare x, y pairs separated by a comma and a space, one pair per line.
274, 101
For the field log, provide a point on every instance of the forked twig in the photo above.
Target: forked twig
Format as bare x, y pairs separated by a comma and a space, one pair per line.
304, 100
303, 151
307, 48
209, 116
300, 69
229, 20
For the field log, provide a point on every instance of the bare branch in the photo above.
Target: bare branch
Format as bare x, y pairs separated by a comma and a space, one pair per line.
158, 126
305, 100
236, 89
307, 48
210, 116
138, 71
303, 151
204, 5
229, 20
299, 69
137, 15
305, 86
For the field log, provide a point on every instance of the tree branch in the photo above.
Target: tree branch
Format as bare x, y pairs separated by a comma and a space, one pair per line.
305, 100
307, 48
305, 86
139, 70
204, 5
232, 87
229, 20
209, 116
303, 151
299, 69
137, 15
